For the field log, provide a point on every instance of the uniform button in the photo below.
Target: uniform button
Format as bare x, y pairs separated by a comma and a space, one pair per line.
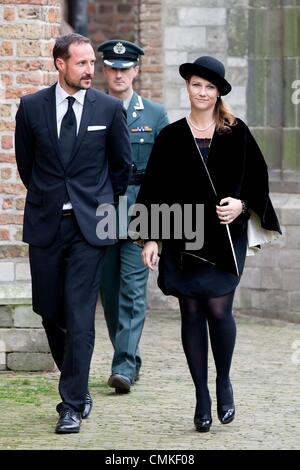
142, 141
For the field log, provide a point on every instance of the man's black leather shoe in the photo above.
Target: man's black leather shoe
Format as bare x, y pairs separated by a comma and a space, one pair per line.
120, 382
69, 421
203, 423
88, 406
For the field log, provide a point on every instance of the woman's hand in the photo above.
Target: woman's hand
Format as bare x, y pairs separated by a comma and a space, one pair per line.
229, 209
149, 254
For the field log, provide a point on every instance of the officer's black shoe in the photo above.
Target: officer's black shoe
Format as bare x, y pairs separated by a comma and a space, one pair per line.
137, 376
120, 382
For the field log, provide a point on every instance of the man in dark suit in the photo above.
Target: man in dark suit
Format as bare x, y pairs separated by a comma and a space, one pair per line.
73, 155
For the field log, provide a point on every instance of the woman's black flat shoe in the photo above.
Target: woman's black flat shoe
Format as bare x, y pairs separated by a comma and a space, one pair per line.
203, 423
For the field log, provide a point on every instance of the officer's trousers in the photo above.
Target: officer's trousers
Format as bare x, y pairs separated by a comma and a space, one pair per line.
123, 294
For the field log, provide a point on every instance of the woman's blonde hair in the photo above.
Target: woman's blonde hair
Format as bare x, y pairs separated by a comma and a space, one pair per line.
224, 116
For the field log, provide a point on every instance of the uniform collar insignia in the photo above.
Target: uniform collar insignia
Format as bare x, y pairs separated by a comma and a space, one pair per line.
139, 104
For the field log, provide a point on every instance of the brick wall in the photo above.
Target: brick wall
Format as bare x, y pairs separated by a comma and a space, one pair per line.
110, 20
151, 38
137, 21
27, 29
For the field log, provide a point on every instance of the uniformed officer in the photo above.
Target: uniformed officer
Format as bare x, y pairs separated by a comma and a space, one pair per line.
123, 291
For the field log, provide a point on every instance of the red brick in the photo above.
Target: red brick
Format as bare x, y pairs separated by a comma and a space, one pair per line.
47, 65
30, 2
19, 234
4, 234
91, 9
6, 219
7, 126
47, 47
5, 110
19, 65
53, 15
7, 204
6, 173
6, 79
7, 141
13, 251
7, 158
28, 49
6, 48
21, 31
30, 13
9, 13
13, 93
36, 78
12, 188
50, 31
20, 204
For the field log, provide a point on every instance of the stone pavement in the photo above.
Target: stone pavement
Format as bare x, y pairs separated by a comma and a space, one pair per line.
158, 413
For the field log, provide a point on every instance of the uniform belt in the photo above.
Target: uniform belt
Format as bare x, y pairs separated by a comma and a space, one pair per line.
67, 212
136, 178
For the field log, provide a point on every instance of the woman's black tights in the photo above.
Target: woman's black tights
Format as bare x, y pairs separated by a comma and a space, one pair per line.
195, 314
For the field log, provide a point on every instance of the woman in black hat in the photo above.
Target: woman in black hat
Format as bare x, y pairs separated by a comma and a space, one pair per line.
208, 159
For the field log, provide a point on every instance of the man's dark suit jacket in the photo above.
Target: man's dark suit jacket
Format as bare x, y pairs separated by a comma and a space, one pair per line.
97, 172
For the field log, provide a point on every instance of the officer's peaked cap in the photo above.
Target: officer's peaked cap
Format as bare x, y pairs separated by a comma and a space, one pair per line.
120, 54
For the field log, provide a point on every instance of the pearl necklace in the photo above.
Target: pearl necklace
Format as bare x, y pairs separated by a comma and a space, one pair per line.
199, 128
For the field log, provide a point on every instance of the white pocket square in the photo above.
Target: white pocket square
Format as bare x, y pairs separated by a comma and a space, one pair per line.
96, 128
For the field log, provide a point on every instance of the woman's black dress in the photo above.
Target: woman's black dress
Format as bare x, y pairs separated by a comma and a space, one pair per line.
183, 274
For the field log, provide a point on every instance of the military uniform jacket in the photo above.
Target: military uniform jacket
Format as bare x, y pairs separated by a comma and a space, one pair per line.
145, 119
176, 173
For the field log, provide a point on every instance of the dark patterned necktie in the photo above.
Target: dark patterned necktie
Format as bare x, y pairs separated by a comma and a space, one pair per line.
68, 132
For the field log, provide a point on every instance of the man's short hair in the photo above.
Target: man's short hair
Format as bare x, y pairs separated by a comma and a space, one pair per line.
62, 45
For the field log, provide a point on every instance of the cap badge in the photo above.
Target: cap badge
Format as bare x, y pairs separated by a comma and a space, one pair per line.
119, 48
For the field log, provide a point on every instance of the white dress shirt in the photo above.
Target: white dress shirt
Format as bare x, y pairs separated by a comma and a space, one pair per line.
61, 109
126, 102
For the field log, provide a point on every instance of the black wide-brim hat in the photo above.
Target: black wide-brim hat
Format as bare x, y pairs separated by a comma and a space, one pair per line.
209, 68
